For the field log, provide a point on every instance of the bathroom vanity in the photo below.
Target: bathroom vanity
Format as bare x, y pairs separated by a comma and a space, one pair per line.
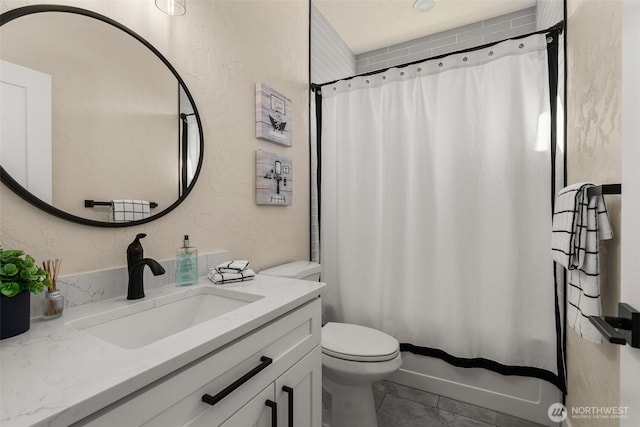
254, 361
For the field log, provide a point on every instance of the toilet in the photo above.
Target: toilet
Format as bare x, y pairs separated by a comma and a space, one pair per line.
353, 358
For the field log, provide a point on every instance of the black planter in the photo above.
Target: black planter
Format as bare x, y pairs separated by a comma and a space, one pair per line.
14, 314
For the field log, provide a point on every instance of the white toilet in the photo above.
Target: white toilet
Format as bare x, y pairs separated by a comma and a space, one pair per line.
353, 358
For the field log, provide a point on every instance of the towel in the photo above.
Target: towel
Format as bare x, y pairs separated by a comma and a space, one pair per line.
125, 210
224, 278
233, 266
579, 223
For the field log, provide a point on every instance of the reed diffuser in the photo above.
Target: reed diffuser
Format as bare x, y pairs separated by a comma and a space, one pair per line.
53, 301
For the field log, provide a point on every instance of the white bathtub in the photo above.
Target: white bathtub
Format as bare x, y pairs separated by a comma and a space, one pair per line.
522, 397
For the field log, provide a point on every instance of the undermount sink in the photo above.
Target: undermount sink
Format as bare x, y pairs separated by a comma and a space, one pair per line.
142, 322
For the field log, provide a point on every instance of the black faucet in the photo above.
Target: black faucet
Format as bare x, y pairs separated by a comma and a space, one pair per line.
135, 265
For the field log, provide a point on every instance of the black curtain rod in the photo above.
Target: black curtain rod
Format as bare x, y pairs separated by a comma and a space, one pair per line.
559, 27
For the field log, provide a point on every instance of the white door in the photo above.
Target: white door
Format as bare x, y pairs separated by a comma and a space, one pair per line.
630, 283
25, 127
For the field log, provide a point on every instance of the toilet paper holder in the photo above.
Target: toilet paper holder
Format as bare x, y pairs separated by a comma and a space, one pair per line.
622, 330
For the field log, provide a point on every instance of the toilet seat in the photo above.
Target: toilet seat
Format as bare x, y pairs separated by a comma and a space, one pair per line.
358, 343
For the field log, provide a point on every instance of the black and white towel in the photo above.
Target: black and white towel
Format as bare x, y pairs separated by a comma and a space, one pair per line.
233, 266
125, 210
579, 223
231, 272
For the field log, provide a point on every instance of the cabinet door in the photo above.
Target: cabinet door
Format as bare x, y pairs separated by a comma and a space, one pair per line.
258, 412
299, 393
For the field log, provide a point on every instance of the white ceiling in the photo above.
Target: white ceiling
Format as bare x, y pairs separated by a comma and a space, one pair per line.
367, 25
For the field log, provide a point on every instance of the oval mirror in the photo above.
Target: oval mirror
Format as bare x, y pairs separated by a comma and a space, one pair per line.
96, 126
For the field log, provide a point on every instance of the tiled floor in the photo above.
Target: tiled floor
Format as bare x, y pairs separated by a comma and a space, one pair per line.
401, 406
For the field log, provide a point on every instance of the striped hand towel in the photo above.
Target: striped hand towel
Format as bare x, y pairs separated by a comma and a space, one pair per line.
579, 223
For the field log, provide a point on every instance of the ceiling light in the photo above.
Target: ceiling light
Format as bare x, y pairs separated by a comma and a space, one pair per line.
173, 7
424, 5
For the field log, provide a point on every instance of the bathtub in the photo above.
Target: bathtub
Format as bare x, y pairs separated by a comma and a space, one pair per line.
523, 397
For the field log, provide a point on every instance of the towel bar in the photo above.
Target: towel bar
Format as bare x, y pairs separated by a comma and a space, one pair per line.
620, 330
92, 203
601, 190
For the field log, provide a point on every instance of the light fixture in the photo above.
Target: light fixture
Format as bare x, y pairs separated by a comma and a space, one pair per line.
423, 5
173, 7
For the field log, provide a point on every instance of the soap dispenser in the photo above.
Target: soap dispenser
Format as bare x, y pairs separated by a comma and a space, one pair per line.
186, 264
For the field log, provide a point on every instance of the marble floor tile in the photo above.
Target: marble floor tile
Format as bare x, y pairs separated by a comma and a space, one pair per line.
399, 412
378, 397
419, 396
487, 415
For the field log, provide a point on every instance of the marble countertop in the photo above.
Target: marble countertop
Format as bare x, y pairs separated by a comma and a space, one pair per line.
55, 375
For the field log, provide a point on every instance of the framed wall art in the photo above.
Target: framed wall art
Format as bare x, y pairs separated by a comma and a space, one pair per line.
273, 115
274, 183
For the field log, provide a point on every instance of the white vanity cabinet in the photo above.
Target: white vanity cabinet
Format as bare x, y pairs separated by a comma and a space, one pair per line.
292, 399
249, 382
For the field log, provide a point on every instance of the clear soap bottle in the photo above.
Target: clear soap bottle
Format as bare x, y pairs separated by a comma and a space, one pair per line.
186, 264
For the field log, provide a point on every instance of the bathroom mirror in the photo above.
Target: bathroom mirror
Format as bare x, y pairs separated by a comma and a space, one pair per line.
91, 113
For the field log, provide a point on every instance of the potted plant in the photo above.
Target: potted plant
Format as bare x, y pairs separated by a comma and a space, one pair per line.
19, 277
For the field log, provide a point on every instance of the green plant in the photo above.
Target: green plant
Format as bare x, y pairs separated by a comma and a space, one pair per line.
18, 272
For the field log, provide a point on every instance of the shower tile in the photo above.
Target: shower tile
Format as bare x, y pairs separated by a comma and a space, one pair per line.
415, 395
398, 412
479, 413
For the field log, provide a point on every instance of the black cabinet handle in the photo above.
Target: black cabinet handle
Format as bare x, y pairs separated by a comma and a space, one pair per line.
289, 392
212, 400
274, 412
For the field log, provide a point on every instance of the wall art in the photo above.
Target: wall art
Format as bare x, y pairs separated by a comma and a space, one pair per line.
273, 115
274, 179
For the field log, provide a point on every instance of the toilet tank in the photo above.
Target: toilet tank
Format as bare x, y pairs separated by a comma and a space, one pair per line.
303, 270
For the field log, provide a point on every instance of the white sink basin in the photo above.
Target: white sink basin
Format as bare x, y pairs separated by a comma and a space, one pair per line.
134, 324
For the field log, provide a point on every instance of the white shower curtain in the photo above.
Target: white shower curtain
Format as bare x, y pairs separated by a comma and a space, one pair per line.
193, 153
436, 204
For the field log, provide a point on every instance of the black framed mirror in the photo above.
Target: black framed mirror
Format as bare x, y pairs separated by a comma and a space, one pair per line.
121, 124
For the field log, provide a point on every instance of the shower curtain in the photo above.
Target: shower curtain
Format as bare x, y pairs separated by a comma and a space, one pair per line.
193, 152
437, 181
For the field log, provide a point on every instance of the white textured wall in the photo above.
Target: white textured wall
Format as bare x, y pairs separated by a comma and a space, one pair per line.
221, 49
630, 286
593, 150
